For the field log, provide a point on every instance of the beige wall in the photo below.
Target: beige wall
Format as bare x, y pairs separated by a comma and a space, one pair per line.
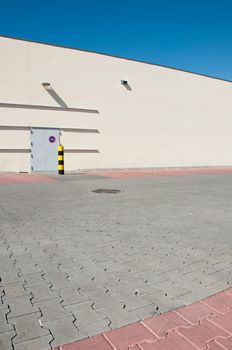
169, 118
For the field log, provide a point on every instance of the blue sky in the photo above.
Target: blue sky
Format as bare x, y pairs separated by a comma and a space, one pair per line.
195, 35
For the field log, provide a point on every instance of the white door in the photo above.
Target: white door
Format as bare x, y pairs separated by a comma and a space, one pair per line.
44, 152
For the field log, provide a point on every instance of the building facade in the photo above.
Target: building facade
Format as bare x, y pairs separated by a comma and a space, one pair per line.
107, 112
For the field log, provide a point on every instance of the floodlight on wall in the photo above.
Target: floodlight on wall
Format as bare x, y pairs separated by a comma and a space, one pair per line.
47, 86
124, 82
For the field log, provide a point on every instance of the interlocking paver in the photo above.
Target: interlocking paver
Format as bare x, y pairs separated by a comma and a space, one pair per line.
202, 333
144, 312
174, 341
229, 291
64, 331
40, 343
163, 324
213, 345
20, 306
194, 312
220, 302
14, 290
71, 296
51, 309
5, 340
33, 279
223, 321
40, 293
96, 327
4, 326
94, 343
162, 302
84, 313
117, 315
27, 328
9, 277
125, 337
226, 343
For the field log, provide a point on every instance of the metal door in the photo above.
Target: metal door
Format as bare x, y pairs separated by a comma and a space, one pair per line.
44, 144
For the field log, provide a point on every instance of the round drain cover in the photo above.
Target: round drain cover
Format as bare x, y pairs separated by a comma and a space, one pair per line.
106, 190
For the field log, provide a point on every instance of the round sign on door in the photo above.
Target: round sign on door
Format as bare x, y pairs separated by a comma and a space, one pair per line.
52, 139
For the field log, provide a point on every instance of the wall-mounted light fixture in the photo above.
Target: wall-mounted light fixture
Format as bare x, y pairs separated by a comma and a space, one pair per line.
126, 85
47, 86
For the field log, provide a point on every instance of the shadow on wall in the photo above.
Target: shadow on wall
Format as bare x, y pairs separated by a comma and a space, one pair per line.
128, 87
54, 95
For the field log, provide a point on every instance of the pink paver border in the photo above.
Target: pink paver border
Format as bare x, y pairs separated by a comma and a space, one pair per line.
21, 178
140, 173
206, 324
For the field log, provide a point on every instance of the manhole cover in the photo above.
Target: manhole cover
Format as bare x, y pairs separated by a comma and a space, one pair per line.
106, 190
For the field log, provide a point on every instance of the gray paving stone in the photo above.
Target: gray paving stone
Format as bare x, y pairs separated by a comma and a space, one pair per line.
145, 312
17, 248
41, 343
218, 285
102, 297
6, 264
51, 309
4, 307
139, 246
131, 301
198, 292
20, 306
14, 290
5, 341
26, 268
64, 331
162, 302
4, 326
71, 296
8, 277
118, 316
28, 328
95, 327
40, 293
172, 290
33, 279
84, 313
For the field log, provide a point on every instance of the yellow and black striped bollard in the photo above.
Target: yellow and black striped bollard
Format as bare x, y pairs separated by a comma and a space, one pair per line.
60, 160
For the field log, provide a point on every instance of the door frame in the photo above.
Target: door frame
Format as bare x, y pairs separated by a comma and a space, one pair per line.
46, 128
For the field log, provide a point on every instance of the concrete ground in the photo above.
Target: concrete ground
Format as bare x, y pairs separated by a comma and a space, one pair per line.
74, 263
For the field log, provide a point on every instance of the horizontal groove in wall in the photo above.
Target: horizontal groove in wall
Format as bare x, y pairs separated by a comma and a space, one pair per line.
14, 150
18, 127
13, 127
48, 108
90, 131
81, 151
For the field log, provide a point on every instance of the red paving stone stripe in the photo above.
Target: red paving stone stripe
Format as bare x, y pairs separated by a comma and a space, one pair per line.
223, 321
203, 333
163, 324
219, 302
202, 325
221, 343
195, 312
229, 291
125, 337
140, 173
25, 178
173, 341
